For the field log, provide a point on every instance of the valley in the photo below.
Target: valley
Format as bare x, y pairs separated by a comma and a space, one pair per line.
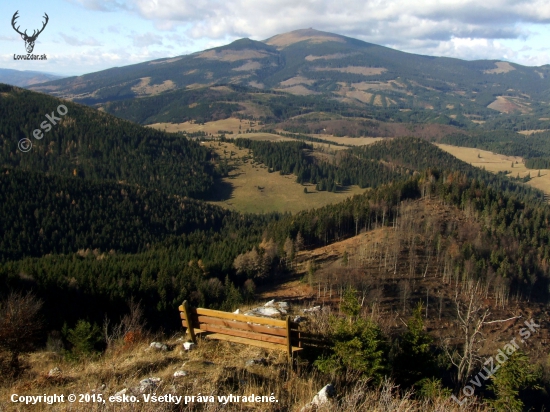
251, 188
399, 203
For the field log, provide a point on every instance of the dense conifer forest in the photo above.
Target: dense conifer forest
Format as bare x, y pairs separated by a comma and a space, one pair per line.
93, 145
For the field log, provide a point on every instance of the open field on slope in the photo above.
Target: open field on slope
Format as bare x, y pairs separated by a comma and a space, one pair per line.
229, 125
349, 141
531, 132
497, 163
251, 188
270, 137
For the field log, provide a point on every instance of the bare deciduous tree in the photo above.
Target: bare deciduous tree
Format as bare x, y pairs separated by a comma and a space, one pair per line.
470, 317
20, 325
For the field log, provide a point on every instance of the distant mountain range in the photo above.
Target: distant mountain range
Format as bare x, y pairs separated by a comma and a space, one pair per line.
311, 62
24, 78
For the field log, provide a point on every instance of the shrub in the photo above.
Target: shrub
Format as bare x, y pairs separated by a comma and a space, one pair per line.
20, 326
516, 374
414, 359
83, 337
359, 347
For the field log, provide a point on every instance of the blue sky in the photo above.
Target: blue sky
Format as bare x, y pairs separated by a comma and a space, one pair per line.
84, 36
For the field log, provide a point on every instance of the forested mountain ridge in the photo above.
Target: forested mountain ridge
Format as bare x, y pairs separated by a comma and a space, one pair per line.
41, 214
24, 78
379, 163
310, 62
93, 145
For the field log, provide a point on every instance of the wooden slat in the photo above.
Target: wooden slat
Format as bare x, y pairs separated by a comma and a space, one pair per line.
265, 321
245, 341
195, 330
242, 318
245, 334
270, 330
242, 326
288, 344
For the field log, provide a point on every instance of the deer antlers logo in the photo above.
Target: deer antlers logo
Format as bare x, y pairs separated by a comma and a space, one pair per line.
29, 40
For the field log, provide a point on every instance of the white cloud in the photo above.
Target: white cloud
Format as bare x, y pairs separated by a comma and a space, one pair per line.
458, 28
146, 39
73, 41
513, 30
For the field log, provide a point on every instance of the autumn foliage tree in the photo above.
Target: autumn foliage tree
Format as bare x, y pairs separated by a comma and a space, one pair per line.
20, 326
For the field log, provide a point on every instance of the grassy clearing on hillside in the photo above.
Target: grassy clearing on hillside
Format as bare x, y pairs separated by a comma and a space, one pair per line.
270, 137
349, 141
495, 163
531, 132
229, 125
253, 189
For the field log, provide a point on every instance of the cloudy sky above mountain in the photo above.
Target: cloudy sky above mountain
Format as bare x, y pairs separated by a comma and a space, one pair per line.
89, 35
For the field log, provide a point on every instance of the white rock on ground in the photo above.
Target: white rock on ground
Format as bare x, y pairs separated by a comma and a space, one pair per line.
237, 312
264, 311
258, 361
313, 309
320, 399
270, 309
159, 346
148, 384
122, 392
188, 345
54, 372
178, 374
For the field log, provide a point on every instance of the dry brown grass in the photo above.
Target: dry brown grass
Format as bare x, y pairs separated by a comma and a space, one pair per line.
297, 80
501, 67
232, 55
298, 90
311, 57
175, 59
530, 132
313, 36
144, 88
495, 163
230, 125
250, 65
359, 95
349, 141
213, 369
509, 105
257, 85
365, 71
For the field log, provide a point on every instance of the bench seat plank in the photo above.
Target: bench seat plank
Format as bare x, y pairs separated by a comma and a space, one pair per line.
231, 324
244, 334
245, 341
239, 317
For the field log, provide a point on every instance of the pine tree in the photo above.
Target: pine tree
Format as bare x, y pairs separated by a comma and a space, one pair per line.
516, 374
414, 360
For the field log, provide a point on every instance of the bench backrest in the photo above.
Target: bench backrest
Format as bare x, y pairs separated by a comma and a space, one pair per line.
281, 332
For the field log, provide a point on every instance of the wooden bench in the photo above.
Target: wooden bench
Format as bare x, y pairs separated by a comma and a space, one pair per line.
248, 330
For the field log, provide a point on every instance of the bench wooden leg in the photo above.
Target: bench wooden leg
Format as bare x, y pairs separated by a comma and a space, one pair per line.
189, 322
